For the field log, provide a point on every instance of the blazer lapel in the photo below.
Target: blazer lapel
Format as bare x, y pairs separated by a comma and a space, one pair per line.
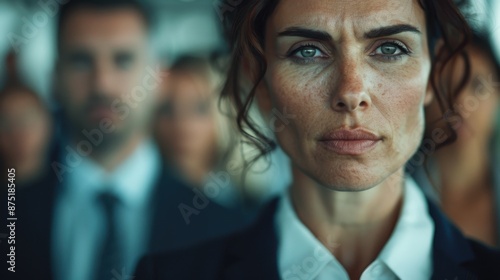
163, 214
252, 255
451, 250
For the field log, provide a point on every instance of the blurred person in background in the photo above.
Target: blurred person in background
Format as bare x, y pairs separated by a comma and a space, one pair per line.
25, 129
188, 126
464, 178
198, 140
193, 135
112, 201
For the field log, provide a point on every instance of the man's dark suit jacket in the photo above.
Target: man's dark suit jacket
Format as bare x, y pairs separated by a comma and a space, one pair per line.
35, 209
251, 254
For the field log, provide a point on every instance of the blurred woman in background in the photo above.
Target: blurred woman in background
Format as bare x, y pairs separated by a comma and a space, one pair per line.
196, 136
193, 135
25, 129
464, 178
186, 125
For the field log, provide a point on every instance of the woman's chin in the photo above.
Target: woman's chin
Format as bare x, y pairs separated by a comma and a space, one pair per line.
355, 183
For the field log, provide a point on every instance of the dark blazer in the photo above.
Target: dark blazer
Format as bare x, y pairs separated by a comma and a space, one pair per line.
34, 228
252, 254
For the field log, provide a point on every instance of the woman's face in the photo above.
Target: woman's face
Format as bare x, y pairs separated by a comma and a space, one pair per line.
24, 129
353, 77
478, 103
185, 127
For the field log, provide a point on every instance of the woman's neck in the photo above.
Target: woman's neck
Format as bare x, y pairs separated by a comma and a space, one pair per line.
463, 171
195, 170
466, 191
353, 225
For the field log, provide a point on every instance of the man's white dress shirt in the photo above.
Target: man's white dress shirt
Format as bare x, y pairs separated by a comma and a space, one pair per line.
79, 223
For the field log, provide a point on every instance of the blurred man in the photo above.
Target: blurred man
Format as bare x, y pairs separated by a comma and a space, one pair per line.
112, 202
25, 133
108, 168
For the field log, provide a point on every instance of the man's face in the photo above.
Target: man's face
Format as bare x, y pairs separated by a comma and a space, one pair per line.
103, 71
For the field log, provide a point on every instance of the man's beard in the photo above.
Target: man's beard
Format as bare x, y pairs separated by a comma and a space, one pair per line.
105, 143
117, 131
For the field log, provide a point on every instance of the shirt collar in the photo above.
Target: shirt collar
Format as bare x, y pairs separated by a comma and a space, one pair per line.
132, 181
413, 233
296, 243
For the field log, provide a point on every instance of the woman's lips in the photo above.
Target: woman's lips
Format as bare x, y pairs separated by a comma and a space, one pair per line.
350, 141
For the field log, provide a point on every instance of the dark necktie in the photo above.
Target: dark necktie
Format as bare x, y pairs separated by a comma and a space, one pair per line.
110, 256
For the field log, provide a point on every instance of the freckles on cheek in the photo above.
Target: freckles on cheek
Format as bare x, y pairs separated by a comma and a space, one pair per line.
300, 85
404, 89
406, 112
297, 95
301, 96
286, 90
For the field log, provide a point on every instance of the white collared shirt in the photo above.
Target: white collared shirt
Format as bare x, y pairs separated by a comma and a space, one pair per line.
407, 255
79, 223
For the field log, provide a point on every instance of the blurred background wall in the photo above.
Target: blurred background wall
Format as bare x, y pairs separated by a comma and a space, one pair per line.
183, 26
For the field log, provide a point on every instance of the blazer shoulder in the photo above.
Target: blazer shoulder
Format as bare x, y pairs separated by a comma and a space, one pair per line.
201, 261
235, 255
487, 258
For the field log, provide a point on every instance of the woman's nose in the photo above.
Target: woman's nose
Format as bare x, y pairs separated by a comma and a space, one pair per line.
350, 92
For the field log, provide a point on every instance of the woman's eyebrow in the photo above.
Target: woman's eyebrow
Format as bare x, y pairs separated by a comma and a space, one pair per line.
391, 30
306, 33
324, 36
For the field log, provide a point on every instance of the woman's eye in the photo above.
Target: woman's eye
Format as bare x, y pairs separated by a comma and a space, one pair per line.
391, 50
388, 49
307, 52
